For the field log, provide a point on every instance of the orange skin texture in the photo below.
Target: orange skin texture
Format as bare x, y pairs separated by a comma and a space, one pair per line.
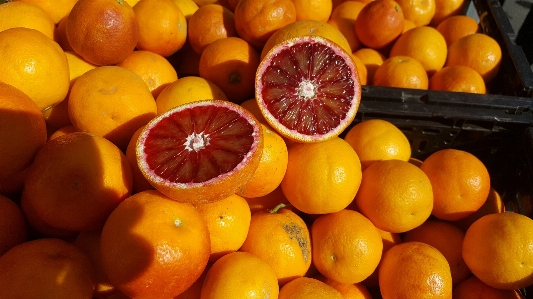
209, 23
401, 72
379, 23
28, 15
458, 79
455, 27
103, 32
305, 287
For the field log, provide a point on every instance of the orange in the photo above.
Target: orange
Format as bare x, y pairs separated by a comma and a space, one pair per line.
372, 59
348, 290
240, 275
281, 238
41, 229
154, 247
272, 166
306, 287
155, 70
57, 116
379, 23
401, 72
478, 51
445, 9
395, 195
140, 183
46, 82
497, 248
493, 204
252, 107
344, 254
103, 32
61, 34
56, 9
22, 130
185, 90
228, 221
455, 27
460, 181
132, 2
62, 131
76, 180
343, 18
318, 172
185, 61
187, 7
267, 202
362, 72
46, 267
195, 290
13, 227
28, 15
389, 240
407, 25
376, 139
97, 100
162, 26
414, 270
458, 79
257, 20
425, 44
230, 63
89, 243
446, 238
318, 10
12, 186
208, 24
473, 288
204, 2
307, 27
419, 12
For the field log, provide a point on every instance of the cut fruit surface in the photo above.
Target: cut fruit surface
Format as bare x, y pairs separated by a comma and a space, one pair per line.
200, 152
308, 88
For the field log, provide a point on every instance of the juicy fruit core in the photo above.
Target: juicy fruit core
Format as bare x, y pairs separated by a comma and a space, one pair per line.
197, 144
308, 88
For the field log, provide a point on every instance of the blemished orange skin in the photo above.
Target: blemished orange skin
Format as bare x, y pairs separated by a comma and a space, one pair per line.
103, 32
379, 23
47, 266
306, 287
270, 235
153, 246
415, 270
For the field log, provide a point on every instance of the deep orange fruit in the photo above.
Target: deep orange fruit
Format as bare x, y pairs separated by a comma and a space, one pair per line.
379, 23
306, 287
13, 227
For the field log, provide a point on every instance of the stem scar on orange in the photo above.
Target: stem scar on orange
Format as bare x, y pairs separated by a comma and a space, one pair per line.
200, 152
308, 88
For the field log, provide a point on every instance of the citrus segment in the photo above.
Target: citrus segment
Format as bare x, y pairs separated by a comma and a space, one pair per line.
200, 152
308, 89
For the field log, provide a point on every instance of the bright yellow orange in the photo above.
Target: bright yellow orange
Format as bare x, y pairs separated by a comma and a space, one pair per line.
379, 23
419, 12
318, 10
155, 70
188, 89
343, 254
228, 221
425, 44
343, 18
497, 250
401, 72
46, 82
460, 181
56, 9
376, 139
317, 172
407, 24
13, 227
187, 7
445, 9
23, 131
455, 27
372, 59
458, 79
97, 100
28, 15
395, 195
415, 270
208, 24
306, 287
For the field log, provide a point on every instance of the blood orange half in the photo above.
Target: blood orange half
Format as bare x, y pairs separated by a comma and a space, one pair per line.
308, 88
200, 152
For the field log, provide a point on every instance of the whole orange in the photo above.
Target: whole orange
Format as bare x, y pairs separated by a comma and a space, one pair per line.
98, 99
321, 177
318, 10
162, 26
498, 249
240, 275
306, 287
455, 27
153, 246
344, 254
395, 195
460, 181
103, 32
231, 63
379, 23
209, 23
13, 227
46, 268
401, 72
28, 15
76, 180
56, 9
257, 20
415, 270
419, 12
458, 78
35, 64
281, 238
22, 130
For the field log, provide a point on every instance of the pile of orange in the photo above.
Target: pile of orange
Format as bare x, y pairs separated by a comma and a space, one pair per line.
94, 93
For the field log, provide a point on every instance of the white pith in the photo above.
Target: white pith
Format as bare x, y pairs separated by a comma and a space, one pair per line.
196, 141
307, 90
